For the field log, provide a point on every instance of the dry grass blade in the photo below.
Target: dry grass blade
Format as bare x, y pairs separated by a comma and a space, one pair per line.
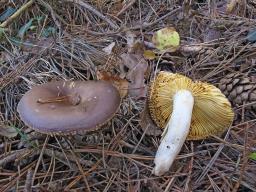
16, 14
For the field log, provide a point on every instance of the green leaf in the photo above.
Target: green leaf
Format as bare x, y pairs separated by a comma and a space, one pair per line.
31, 24
25, 28
7, 13
16, 41
24, 137
1, 33
166, 39
46, 32
253, 156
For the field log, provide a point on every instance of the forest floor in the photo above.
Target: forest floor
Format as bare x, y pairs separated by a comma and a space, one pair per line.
46, 40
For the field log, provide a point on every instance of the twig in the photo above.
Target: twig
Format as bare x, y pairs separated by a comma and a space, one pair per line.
125, 7
39, 160
28, 183
129, 156
95, 11
172, 181
53, 14
79, 166
190, 168
20, 69
61, 157
13, 156
245, 161
145, 25
95, 166
16, 14
140, 26
216, 155
15, 177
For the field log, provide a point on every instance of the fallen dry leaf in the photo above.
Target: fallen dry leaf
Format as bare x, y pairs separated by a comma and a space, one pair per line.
120, 84
147, 123
109, 49
130, 39
116, 7
8, 131
211, 34
150, 55
231, 5
134, 45
137, 68
138, 48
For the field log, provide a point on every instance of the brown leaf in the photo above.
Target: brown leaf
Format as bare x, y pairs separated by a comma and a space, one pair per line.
138, 48
120, 84
150, 55
130, 38
8, 131
137, 68
147, 123
211, 34
231, 5
134, 45
116, 7
236, 7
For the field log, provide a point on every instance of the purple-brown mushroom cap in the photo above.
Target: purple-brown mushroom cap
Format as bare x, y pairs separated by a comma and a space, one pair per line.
90, 104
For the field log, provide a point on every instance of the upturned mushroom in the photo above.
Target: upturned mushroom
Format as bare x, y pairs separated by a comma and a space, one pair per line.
186, 110
69, 107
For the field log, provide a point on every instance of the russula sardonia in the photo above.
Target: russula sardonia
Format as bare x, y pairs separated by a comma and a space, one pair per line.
69, 107
186, 110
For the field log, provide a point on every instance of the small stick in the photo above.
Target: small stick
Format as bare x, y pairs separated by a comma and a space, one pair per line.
53, 100
4, 159
125, 8
95, 11
73, 99
16, 14
39, 160
28, 186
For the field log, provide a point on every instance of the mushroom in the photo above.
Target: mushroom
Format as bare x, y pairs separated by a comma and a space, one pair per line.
186, 110
69, 107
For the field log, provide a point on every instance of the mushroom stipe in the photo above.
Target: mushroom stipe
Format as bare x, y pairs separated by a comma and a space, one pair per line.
69, 107
212, 101
186, 110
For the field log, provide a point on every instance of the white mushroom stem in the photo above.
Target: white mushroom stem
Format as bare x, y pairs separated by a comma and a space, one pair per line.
176, 132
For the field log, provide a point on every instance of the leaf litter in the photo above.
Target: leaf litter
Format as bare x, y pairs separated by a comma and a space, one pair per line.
80, 32
121, 84
137, 66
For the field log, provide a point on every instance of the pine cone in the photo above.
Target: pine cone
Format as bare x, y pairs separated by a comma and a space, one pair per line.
239, 89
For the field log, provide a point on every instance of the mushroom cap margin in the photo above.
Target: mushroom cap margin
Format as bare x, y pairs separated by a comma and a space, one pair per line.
212, 112
99, 102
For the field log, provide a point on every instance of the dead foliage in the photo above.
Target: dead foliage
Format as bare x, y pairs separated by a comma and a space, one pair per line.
51, 40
